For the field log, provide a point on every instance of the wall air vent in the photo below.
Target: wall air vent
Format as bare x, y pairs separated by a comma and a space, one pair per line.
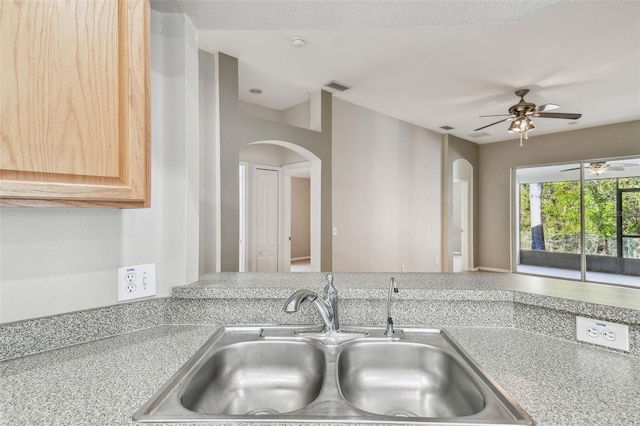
446, 127
337, 86
479, 134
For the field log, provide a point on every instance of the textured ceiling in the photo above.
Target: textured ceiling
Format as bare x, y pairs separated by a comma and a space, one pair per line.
352, 14
435, 63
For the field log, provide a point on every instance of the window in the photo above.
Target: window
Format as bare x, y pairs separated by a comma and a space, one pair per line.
579, 221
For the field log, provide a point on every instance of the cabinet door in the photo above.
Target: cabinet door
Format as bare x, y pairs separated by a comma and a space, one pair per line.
74, 104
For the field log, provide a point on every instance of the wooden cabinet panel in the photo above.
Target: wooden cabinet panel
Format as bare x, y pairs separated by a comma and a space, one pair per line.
74, 109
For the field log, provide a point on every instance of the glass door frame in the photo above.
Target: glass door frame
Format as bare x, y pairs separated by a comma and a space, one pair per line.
620, 236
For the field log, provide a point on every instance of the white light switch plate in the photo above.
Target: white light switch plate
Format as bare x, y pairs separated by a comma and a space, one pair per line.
603, 333
136, 281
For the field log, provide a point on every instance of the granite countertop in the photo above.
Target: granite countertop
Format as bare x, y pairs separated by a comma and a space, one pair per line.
104, 382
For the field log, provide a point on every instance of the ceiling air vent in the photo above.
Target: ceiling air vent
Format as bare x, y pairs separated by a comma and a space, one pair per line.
479, 134
337, 86
446, 127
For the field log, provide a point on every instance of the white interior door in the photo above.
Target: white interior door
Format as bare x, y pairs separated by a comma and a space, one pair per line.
265, 214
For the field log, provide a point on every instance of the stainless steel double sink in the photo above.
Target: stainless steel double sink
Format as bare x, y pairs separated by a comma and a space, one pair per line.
299, 374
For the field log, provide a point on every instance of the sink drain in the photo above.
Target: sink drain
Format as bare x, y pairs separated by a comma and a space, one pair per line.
261, 411
400, 413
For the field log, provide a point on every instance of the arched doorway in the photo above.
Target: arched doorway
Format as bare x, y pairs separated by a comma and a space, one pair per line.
462, 216
284, 174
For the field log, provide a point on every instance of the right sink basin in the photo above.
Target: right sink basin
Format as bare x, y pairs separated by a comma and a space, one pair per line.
406, 380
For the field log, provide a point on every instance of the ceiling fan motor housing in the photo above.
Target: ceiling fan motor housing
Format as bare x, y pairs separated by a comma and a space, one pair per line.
523, 107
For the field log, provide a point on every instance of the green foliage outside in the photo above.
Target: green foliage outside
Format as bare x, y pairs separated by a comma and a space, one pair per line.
560, 205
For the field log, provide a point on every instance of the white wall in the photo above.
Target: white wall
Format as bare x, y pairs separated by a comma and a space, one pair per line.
61, 260
386, 192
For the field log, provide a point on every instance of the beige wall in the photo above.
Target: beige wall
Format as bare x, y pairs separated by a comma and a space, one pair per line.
458, 149
237, 130
297, 115
386, 193
497, 159
259, 111
300, 217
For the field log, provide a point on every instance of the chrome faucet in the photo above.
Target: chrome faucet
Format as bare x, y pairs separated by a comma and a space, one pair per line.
327, 306
392, 287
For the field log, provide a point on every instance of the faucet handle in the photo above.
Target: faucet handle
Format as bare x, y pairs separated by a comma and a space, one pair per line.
330, 289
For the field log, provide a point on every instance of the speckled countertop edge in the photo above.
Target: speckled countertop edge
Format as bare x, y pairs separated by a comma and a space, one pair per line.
351, 285
570, 296
46, 333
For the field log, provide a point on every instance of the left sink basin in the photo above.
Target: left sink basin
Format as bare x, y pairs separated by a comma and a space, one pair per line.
239, 373
253, 378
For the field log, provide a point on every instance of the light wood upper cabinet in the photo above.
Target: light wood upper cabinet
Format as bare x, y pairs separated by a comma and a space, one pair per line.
74, 103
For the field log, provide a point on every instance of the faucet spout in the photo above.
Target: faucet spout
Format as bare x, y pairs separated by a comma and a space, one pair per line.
327, 306
392, 288
324, 308
295, 300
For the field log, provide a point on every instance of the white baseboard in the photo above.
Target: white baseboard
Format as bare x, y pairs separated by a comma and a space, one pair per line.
484, 268
293, 259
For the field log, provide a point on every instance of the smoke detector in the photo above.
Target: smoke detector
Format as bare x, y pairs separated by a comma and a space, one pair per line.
298, 42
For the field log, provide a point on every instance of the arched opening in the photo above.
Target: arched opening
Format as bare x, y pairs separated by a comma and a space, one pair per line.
267, 241
462, 216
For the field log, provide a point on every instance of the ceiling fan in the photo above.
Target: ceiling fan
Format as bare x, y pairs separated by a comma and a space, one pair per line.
520, 115
599, 167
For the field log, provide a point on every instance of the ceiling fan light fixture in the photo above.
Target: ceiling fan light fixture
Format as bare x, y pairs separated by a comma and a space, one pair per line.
529, 125
598, 168
522, 125
514, 127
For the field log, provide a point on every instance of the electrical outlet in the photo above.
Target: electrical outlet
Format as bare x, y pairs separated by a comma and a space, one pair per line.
603, 333
136, 281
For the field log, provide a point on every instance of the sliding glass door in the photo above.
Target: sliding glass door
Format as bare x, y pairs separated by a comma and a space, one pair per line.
579, 221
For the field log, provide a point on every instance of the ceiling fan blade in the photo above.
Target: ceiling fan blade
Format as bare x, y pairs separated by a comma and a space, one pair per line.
496, 115
615, 168
547, 107
568, 170
565, 115
489, 125
625, 164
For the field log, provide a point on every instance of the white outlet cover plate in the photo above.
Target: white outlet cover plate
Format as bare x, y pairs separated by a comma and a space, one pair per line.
143, 283
597, 336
